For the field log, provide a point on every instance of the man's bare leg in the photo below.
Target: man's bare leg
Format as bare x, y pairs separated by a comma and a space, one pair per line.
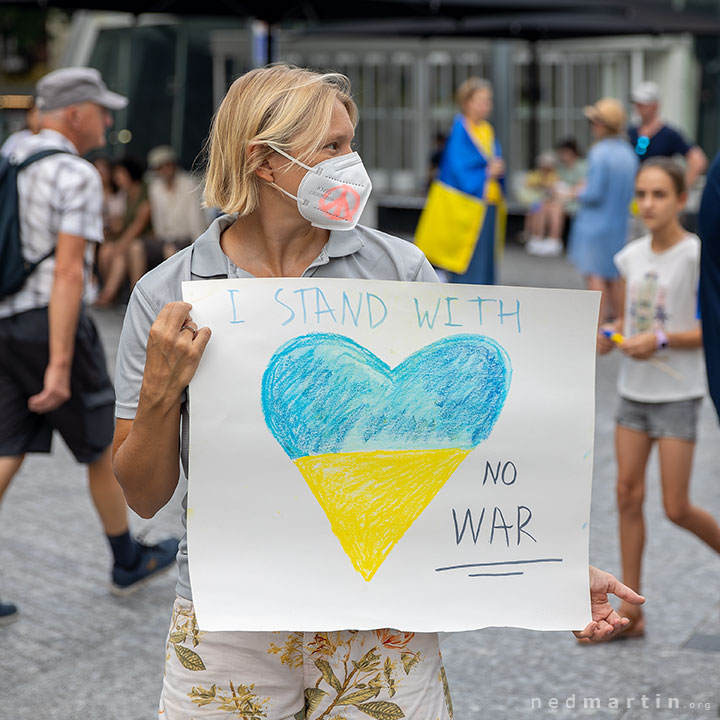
8, 469
107, 495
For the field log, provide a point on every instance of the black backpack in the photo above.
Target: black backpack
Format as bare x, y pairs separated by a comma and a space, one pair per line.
14, 268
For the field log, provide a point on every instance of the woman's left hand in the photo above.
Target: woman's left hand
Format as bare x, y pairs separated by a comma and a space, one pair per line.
605, 620
641, 346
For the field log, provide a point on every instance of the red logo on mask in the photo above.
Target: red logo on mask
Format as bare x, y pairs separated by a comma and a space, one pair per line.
340, 202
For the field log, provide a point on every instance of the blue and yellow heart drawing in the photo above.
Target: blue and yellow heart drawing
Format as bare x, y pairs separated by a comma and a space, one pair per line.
375, 444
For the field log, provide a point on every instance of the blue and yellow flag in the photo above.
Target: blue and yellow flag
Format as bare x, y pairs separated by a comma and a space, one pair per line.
454, 211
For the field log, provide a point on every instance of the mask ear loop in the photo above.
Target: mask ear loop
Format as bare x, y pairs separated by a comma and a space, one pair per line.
298, 200
290, 157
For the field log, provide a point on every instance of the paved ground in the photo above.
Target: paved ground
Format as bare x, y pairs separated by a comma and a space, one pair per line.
79, 653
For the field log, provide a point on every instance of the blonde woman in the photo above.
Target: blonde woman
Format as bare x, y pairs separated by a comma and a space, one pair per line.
462, 227
273, 126
600, 229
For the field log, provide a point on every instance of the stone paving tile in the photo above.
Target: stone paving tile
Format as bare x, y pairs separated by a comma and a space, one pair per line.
79, 653
703, 642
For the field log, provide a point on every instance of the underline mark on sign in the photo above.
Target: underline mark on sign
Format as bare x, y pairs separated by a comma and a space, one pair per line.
495, 574
491, 564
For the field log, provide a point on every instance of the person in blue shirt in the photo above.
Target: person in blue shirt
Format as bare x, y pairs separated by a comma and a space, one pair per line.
601, 225
709, 295
653, 138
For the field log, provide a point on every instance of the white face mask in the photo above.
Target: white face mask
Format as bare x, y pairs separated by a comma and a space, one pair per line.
333, 193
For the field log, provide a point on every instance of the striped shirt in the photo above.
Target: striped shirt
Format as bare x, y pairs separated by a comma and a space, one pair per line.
58, 194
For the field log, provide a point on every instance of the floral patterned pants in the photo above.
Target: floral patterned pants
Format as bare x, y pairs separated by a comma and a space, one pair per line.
347, 675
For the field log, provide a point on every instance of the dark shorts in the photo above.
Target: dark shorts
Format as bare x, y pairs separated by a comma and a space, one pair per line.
676, 419
85, 421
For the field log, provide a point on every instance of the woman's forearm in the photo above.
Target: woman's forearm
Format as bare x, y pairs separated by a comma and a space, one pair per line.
146, 450
146, 457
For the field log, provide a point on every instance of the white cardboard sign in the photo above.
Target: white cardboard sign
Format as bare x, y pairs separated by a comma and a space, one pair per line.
369, 454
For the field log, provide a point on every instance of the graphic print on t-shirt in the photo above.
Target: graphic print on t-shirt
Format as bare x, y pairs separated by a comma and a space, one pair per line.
661, 294
648, 310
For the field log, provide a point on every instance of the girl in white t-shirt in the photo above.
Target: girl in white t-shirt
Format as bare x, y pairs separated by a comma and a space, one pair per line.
662, 378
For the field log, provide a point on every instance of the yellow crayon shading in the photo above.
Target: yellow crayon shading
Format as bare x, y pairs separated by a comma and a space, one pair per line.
372, 498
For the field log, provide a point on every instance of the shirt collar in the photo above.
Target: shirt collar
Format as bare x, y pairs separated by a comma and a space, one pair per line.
57, 138
344, 242
208, 259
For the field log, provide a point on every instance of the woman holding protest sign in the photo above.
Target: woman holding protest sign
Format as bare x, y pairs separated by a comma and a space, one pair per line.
277, 134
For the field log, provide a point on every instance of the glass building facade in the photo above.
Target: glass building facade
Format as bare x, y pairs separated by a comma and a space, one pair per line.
176, 71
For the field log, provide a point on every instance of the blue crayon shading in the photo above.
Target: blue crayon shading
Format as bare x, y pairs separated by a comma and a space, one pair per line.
324, 393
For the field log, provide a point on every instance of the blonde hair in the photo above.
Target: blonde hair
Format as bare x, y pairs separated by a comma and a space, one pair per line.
468, 88
287, 106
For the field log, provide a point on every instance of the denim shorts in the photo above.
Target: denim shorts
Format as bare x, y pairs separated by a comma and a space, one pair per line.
676, 419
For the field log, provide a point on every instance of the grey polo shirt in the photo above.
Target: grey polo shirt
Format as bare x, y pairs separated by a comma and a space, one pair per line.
362, 253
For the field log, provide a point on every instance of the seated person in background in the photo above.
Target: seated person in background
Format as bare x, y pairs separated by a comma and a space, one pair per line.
571, 170
176, 210
113, 199
546, 215
116, 260
438, 148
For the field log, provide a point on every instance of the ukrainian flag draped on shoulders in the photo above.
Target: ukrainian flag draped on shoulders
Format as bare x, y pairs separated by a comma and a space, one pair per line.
456, 207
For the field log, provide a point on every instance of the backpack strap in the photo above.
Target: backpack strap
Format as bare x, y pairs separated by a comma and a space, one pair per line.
38, 156
21, 166
32, 265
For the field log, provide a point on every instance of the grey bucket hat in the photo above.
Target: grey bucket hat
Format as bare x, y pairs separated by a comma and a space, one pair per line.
74, 85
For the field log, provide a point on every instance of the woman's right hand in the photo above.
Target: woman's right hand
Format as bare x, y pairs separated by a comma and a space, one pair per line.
174, 348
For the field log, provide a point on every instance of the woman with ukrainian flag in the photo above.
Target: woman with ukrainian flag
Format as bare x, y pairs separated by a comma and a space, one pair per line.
462, 227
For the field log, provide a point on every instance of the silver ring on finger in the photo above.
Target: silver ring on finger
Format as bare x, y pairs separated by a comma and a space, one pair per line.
191, 329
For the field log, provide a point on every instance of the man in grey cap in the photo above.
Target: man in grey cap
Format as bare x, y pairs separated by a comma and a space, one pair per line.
52, 367
654, 138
